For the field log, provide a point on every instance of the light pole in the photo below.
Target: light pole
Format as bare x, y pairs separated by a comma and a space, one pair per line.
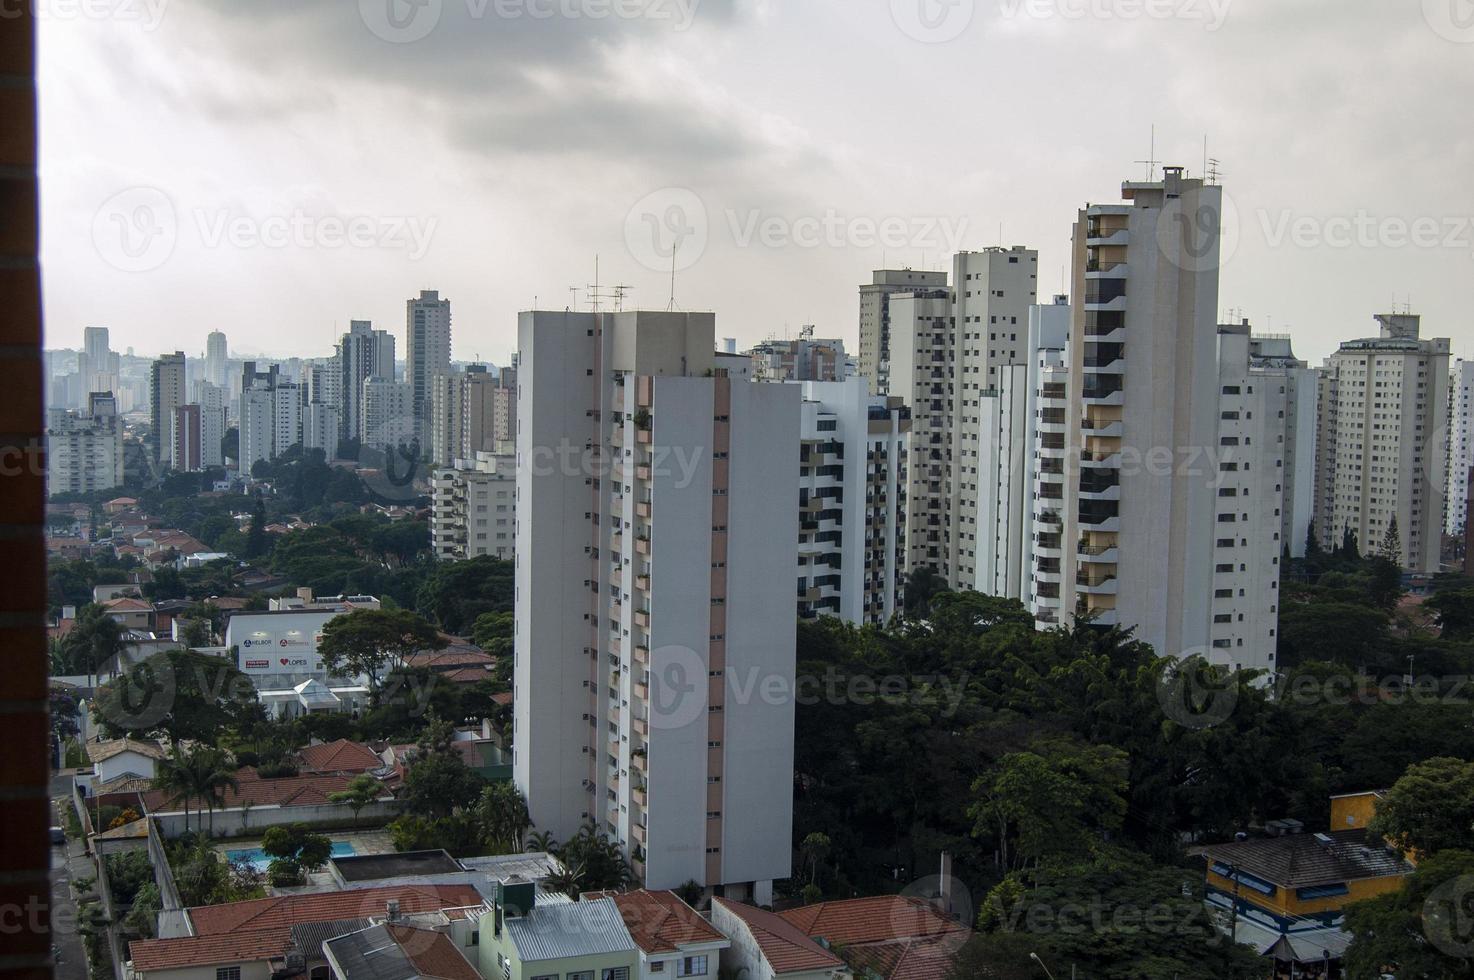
1036, 959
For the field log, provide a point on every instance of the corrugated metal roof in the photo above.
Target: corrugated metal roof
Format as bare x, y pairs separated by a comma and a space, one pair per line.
553, 932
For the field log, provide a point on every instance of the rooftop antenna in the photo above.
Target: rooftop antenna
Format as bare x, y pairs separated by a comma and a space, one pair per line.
671, 306
573, 290
1151, 157
619, 293
1213, 172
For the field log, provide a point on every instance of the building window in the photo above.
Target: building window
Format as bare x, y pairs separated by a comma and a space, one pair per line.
691, 966
227, 973
616, 973
581, 975
657, 966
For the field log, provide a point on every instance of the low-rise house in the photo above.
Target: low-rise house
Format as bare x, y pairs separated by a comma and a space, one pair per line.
102, 593
130, 613
340, 756
122, 758
265, 938
394, 951
255, 803
522, 938
1286, 896
895, 937
766, 946
674, 940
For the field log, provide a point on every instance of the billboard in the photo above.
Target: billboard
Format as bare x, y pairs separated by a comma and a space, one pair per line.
277, 643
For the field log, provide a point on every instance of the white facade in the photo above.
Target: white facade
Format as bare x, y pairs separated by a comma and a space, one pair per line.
321, 425
270, 647
1460, 446
363, 353
1166, 479
474, 510
427, 352
875, 318
1273, 360
1381, 443
852, 486
287, 422
467, 411
648, 573
257, 425
212, 424
84, 450
217, 366
388, 414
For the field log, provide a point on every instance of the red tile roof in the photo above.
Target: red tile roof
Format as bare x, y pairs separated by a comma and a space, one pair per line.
244, 932
433, 954
784, 946
127, 604
283, 911
340, 756
457, 654
896, 936
661, 923
308, 790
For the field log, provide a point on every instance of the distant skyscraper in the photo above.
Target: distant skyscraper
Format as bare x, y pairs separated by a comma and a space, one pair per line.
468, 414
875, 322
427, 354
1382, 442
186, 453
474, 508
84, 450
387, 421
804, 359
217, 366
212, 424
166, 393
1460, 445
97, 365
363, 353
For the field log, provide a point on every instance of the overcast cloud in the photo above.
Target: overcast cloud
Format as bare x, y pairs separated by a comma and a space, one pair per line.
274, 168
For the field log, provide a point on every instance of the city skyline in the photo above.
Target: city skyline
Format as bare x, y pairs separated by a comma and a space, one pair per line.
804, 174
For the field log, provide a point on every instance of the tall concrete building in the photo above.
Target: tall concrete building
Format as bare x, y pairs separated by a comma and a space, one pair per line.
807, 358
427, 354
1272, 361
1382, 448
257, 425
474, 509
948, 350
388, 420
655, 551
187, 451
166, 393
211, 399
97, 365
468, 414
363, 353
875, 318
217, 360
852, 502
321, 428
1460, 446
1168, 517
84, 450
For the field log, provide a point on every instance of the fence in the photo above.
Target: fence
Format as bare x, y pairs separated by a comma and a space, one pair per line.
172, 920
251, 821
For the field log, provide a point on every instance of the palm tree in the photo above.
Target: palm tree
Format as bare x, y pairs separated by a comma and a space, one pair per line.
502, 813
202, 774
542, 841
219, 775
172, 777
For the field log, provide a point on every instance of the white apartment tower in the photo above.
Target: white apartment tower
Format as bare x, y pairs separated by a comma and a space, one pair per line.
1274, 362
473, 508
1381, 445
217, 360
875, 318
388, 414
467, 411
363, 353
257, 429
1460, 446
655, 556
84, 450
852, 492
212, 424
427, 352
1168, 516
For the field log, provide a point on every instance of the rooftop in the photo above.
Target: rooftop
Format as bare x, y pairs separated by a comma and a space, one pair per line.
308, 790
784, 945
551, 932
369, 867
103, 751
1304, 860
340, 756
659, 922
283, 911
399, 952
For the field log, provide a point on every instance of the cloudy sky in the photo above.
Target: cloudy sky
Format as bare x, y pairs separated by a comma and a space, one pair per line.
273, 168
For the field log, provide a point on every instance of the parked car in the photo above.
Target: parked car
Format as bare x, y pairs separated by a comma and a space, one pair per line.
58, 836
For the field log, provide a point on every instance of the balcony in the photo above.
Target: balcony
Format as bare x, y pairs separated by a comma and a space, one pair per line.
642, 509
641, 726
1095, 582
642, 654
642, 472
640, 795
638, 762
642, 618
642, 546
637, 833
642, 582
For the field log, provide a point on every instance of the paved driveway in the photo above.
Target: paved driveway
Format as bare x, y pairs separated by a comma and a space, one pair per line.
67, 861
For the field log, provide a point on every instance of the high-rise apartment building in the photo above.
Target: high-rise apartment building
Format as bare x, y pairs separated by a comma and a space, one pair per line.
1382, 448
217, 360
212, 424
474, 510
427, 353
84, 450
1165, 470
288, 399
1460, 446
1273, 362
321, 428
852, 492
166, 393
654, 552
97, 365
463, 414
257, 425
187, 452
363, 353
805, 359
948, 350
388, 415
875, 322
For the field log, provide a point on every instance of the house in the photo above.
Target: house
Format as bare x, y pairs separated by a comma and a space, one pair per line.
123, 757
1286, 896
895, 937
393, 951
674, 940
459, 661
766, 946
119, 504
522, 938
340, 756
254, 803
102, 593
268, 937
130, 613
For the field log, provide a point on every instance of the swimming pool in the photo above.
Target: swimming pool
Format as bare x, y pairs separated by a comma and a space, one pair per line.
260, 860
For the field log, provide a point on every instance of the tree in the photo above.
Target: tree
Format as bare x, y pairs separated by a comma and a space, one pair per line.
1430, 809
362, 790
294, 851
256, 543
1391, 549
921, 585
1455, 612
492, 632
438, 781
366, 641
95, 640
184, 694
502, 815
814, 849
199, 777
